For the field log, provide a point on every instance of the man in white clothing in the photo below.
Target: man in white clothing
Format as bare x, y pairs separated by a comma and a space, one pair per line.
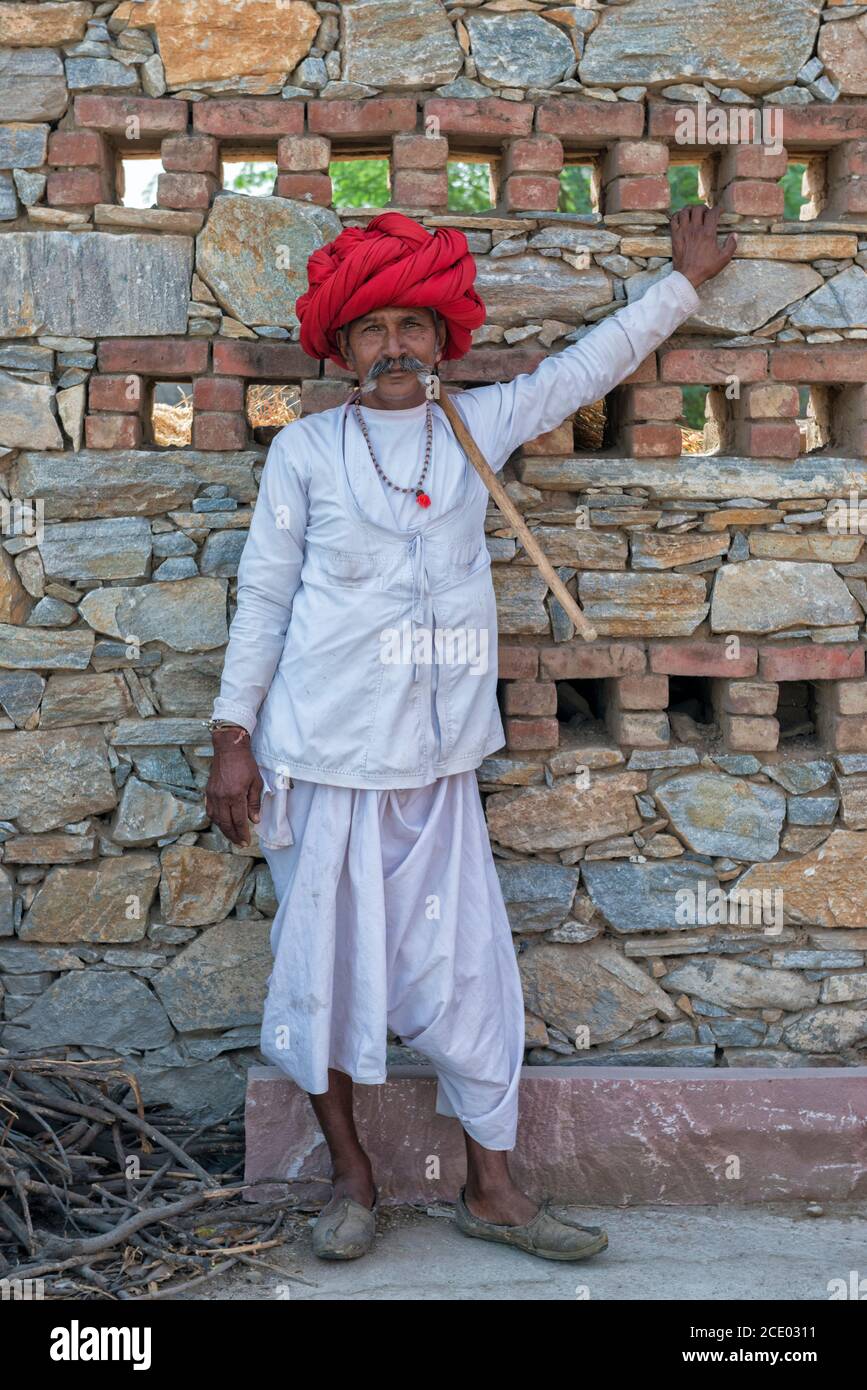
364, 794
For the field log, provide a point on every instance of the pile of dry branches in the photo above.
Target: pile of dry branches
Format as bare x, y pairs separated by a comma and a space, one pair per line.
98, 1202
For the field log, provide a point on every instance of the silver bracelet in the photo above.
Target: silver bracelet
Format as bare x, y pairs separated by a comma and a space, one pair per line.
213, 724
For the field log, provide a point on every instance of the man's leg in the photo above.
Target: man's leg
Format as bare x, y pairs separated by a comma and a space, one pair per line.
351, 1171
455, 991
491, 1192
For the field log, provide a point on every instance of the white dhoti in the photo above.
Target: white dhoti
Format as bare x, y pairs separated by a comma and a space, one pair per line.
391, 915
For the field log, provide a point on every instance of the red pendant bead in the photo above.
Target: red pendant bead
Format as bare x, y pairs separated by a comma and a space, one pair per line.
422, 499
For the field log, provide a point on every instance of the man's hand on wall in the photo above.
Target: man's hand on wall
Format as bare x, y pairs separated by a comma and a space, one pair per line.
694, 248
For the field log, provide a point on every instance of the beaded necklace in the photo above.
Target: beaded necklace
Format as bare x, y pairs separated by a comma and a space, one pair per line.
420, 495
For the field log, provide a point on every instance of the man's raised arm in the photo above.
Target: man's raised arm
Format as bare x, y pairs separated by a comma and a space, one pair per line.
503, 416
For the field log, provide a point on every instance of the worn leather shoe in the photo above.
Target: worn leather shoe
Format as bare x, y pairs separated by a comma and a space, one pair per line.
346, 1231
545, 1235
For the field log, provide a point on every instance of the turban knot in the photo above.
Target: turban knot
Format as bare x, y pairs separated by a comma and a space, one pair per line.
391, 261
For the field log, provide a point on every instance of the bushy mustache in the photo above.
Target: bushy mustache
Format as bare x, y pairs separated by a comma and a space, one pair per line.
406, 362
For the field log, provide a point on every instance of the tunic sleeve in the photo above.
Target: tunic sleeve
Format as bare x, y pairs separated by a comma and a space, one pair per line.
505, 415
269, 573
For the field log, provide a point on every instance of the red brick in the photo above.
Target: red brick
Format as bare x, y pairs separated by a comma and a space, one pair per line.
848, 160
645, 371
420, 188
638, 729
819, 126
419, 152
220, 430
697, 658
847, 179
531, 733
580, 660
651, 403
123, 393
810, 662
308, 188
652, 441
181, 191
711, 366
751, 162
193, 154
664, 119
819, 362
648, 194
246, 117
78, 188
767, 401
752, 198
557, 441
535, 154
263, 360
590, 121
303, 154
779, 439
747, 733
153, 115
77, 148
753, 697
530, 193
847, 697
842, 733
530, 698
483, 118
634, 157
323, 395
815, 126
489, 364
159, 357
371, 116
112, 431
639, 692
847, 199
517, 663
218, 393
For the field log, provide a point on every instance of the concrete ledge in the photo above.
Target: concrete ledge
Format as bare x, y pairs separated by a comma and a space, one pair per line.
601, 1136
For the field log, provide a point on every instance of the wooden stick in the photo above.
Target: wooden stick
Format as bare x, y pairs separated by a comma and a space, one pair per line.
517, 522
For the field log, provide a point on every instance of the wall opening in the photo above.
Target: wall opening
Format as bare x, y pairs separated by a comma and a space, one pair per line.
690, 704
137, 181
579, 187
706, 424
805, 188
252, 175
796, 710
820, 419
580, 702
472, 184
170, 414
360, 183
269, 407
684, 184
593, 427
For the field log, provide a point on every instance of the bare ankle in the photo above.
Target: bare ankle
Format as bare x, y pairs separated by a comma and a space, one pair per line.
355, 1165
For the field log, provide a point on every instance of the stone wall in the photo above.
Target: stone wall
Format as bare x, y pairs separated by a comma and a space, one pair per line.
714, 736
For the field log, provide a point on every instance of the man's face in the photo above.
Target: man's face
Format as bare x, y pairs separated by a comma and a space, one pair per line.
380, 339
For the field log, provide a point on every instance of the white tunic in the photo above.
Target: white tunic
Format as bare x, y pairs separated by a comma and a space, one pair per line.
346, 692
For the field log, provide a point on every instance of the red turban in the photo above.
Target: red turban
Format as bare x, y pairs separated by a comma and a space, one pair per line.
391, 261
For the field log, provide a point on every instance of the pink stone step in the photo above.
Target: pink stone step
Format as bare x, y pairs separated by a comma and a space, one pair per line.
602, 1136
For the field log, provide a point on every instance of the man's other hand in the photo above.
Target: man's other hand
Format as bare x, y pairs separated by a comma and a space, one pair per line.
234, 791
694, 248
